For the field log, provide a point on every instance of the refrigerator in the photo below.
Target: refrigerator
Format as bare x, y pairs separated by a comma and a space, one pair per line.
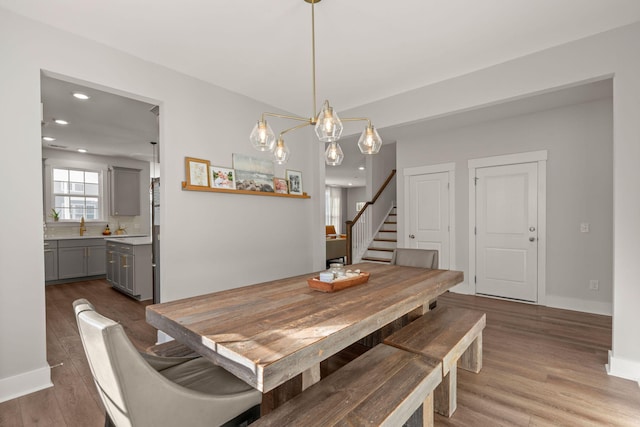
155, 237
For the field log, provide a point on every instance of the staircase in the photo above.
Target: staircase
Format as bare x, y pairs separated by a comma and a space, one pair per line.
385, 242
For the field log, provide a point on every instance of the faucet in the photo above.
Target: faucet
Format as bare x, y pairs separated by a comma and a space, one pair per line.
83, 228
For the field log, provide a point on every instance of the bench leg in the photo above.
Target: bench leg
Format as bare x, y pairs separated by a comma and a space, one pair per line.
427, 411
471, 359
445, 394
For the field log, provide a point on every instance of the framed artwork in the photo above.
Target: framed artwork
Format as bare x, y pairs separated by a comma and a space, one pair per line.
253, 174
359, 206
295, 182
280, 185
220, 177
197, 171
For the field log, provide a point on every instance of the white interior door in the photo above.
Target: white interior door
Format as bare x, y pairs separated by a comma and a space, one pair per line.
506, 231
429, 214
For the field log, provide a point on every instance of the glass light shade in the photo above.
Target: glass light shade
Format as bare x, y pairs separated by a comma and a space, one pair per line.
262, 137
370, 141
328, 124
281, 152
334, 155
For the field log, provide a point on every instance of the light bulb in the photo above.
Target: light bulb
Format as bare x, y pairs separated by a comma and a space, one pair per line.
281, 152
334, 155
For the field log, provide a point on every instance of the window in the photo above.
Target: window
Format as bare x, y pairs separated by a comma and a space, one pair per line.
76, 194
333, 210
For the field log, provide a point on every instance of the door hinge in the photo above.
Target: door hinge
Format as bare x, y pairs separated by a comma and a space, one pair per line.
475, 180
475, 230
448, 185
449, 228
475, 279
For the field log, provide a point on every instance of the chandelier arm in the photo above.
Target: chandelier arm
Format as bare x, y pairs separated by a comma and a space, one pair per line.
300, 126
357, 119
285, 116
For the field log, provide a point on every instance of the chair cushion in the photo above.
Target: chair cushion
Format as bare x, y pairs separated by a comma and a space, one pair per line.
203, 376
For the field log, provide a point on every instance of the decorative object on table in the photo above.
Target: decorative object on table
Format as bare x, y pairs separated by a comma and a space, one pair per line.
83, 228
197, 171
106, 231
253, 174
280, 185
55, 215
294, 178
327, 124
220, 177
351, 278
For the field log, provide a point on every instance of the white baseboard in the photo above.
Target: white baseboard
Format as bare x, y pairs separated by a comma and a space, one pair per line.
462, 288
576, 304
162, 337
623, 368
28, 382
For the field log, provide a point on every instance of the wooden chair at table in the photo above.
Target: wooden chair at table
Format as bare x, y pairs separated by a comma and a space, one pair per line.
146, 390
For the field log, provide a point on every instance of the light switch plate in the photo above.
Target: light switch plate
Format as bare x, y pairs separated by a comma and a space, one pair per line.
584, 227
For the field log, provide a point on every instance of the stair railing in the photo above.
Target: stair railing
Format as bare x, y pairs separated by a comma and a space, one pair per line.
359, 231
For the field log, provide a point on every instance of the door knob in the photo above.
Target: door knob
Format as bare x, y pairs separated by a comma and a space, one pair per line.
532, 229
532, 239
411, 236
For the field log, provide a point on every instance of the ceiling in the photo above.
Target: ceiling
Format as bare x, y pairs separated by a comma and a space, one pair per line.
366, 49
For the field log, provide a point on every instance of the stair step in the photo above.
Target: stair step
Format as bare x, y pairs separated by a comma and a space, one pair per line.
373, 248
385, 240
390, 222
374, 259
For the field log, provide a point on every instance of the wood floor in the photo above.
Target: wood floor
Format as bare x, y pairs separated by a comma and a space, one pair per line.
542, 366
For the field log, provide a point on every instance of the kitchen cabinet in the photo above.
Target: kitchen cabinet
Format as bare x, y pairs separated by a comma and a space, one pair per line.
129, 268
81, 258
50, 260
124, 191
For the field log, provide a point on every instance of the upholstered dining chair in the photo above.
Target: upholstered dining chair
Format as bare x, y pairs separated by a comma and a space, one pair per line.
146, 390
425, 258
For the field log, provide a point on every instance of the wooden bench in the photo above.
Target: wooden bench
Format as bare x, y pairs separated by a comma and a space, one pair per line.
452, 336
383, 387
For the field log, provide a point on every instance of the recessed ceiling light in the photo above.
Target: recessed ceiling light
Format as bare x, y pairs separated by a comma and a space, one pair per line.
48, 138
350, 183
61, 122
81, 96
82, 150
361, 168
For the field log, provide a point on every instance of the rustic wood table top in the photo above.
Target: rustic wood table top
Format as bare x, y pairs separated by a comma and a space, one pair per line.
268, 333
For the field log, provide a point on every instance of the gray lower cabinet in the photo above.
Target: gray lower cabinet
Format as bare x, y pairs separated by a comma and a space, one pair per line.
129, 269
81, 258
50, 260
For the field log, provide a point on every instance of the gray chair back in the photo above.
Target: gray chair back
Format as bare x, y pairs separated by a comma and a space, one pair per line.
425, 258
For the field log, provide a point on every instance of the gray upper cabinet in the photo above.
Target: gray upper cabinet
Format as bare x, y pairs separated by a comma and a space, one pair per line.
124, 191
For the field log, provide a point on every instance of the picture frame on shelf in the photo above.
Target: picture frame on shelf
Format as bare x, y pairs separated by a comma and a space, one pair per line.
280, 185
294, 179
197, 171
253, 174
222, 177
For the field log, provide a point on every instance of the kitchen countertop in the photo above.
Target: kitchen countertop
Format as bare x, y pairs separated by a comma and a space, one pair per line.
146, 240
100, 236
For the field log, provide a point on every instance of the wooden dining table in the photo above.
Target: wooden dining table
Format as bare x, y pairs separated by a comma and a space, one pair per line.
271, 333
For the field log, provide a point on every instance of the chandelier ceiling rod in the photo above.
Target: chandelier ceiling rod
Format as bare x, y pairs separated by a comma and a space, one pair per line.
328, 125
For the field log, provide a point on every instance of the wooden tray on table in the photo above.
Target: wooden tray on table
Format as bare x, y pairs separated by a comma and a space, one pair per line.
339, 284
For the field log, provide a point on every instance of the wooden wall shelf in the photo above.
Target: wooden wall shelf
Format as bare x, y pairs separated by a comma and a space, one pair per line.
250, 193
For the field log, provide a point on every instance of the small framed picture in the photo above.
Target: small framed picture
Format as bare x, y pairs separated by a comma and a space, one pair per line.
294, 178
220, 177
197, 171
280, 185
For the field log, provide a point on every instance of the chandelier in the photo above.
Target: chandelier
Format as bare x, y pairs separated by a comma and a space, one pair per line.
328, 125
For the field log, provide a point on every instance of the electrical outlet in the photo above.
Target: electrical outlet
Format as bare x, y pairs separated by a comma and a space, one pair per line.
594, 284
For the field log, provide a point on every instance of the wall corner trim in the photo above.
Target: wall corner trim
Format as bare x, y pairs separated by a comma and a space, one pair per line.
25, 383
623, 368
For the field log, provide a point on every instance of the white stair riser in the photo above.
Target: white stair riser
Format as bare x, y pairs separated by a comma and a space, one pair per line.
387, 235
378, 254
380, 244
392, 227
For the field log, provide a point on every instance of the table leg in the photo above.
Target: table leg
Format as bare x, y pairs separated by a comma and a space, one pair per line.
310, 376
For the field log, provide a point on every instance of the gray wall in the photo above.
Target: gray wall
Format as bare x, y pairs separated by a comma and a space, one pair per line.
579, 140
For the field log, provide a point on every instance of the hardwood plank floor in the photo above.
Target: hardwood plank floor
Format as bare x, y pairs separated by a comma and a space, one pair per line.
542, 366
